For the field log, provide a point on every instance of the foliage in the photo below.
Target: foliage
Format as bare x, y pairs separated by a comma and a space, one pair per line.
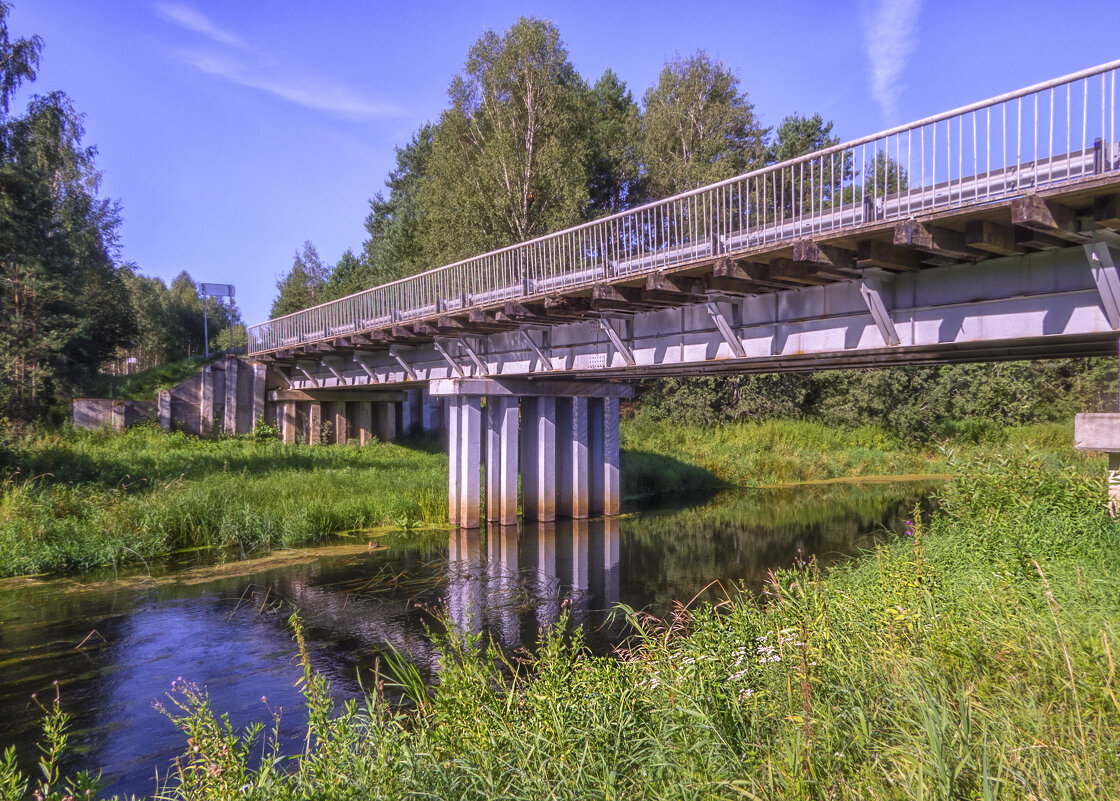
303, 285
698, 127
614, 166
146, 384
916, 404
807, 186
169, 321
54, 745
63, 306
922, 670
395, 225
508, 159
82, 499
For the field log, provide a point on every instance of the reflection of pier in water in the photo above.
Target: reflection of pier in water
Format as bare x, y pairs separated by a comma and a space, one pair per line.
494, 577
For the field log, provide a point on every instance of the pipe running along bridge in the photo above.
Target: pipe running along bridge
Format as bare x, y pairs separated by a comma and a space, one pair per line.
984, 233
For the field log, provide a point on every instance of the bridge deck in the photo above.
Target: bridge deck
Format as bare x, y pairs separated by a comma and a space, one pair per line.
959, 190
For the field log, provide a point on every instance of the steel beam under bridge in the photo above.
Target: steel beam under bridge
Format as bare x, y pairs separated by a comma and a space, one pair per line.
1063, 302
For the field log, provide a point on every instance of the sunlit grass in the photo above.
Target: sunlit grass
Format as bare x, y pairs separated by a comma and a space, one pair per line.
82, 499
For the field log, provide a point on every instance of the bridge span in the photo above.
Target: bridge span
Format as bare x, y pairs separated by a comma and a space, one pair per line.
984, 233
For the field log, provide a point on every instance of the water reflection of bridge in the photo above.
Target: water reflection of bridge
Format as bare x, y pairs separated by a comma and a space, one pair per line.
491, 581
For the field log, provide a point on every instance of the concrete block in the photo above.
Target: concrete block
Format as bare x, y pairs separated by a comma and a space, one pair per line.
1097, 432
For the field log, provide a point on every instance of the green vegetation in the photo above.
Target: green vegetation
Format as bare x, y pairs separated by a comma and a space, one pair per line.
79, 500
972, 659
911, 405
146, 384
753, 454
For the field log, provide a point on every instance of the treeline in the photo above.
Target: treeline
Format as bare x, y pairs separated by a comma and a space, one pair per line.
528, 146
169, 320
68, 305
917, 404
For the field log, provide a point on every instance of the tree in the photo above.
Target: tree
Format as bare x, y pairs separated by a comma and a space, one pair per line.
349, 275
811, 184
698, 128
184, 308
614, 181
396, 223
63, 305
302, 286
509, 158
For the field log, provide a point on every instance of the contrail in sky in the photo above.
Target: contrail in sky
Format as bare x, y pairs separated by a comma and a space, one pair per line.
889, 35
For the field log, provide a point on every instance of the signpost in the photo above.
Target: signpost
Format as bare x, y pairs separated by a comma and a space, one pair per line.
214, 291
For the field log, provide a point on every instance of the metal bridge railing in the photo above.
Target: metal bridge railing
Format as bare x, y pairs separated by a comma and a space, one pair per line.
1052, 133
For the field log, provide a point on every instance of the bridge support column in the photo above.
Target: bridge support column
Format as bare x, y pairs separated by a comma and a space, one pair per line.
465, 489
260, 384
288, 422
541, 428
206, 403
431, 413
502, 446
229, 421
341, 423
574, 475
364, 421
315, 423
410, 412
385, 421
603, 457
165, 409
577, 448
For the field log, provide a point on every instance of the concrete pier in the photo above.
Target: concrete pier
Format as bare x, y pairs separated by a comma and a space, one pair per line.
502, 435
315, 423
560, 436
465, 439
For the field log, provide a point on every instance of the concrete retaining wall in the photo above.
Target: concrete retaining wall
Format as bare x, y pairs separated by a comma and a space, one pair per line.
94, 413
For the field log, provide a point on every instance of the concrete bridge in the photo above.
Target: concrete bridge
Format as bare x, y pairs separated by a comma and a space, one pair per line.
984, 233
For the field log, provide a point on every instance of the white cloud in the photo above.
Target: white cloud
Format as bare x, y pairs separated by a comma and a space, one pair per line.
302, 90
237, 62
889, 34
196, 21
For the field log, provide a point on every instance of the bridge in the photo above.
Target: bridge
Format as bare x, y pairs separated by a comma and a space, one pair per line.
988, 232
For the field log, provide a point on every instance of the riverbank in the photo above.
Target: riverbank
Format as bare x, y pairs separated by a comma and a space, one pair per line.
773, 452
88, 499
74, 500
974, 657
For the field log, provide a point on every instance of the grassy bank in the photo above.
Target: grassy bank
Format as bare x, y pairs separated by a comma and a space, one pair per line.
81, 499
146, 384
973, 659
783, 451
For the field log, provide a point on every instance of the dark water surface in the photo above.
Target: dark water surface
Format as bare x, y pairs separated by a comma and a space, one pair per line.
115, 643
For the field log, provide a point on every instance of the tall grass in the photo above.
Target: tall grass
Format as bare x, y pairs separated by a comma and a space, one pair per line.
82, 499
787, 451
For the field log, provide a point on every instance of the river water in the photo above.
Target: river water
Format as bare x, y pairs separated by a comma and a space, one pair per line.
115, 642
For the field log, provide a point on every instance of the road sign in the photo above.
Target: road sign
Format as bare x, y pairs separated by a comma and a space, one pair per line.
215, 290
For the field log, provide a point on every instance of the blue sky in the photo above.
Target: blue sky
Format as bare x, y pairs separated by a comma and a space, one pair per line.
233, 131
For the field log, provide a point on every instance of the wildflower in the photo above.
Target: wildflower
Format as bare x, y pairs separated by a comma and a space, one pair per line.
910, 528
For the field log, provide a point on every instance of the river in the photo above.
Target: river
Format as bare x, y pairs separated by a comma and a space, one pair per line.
115, 642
